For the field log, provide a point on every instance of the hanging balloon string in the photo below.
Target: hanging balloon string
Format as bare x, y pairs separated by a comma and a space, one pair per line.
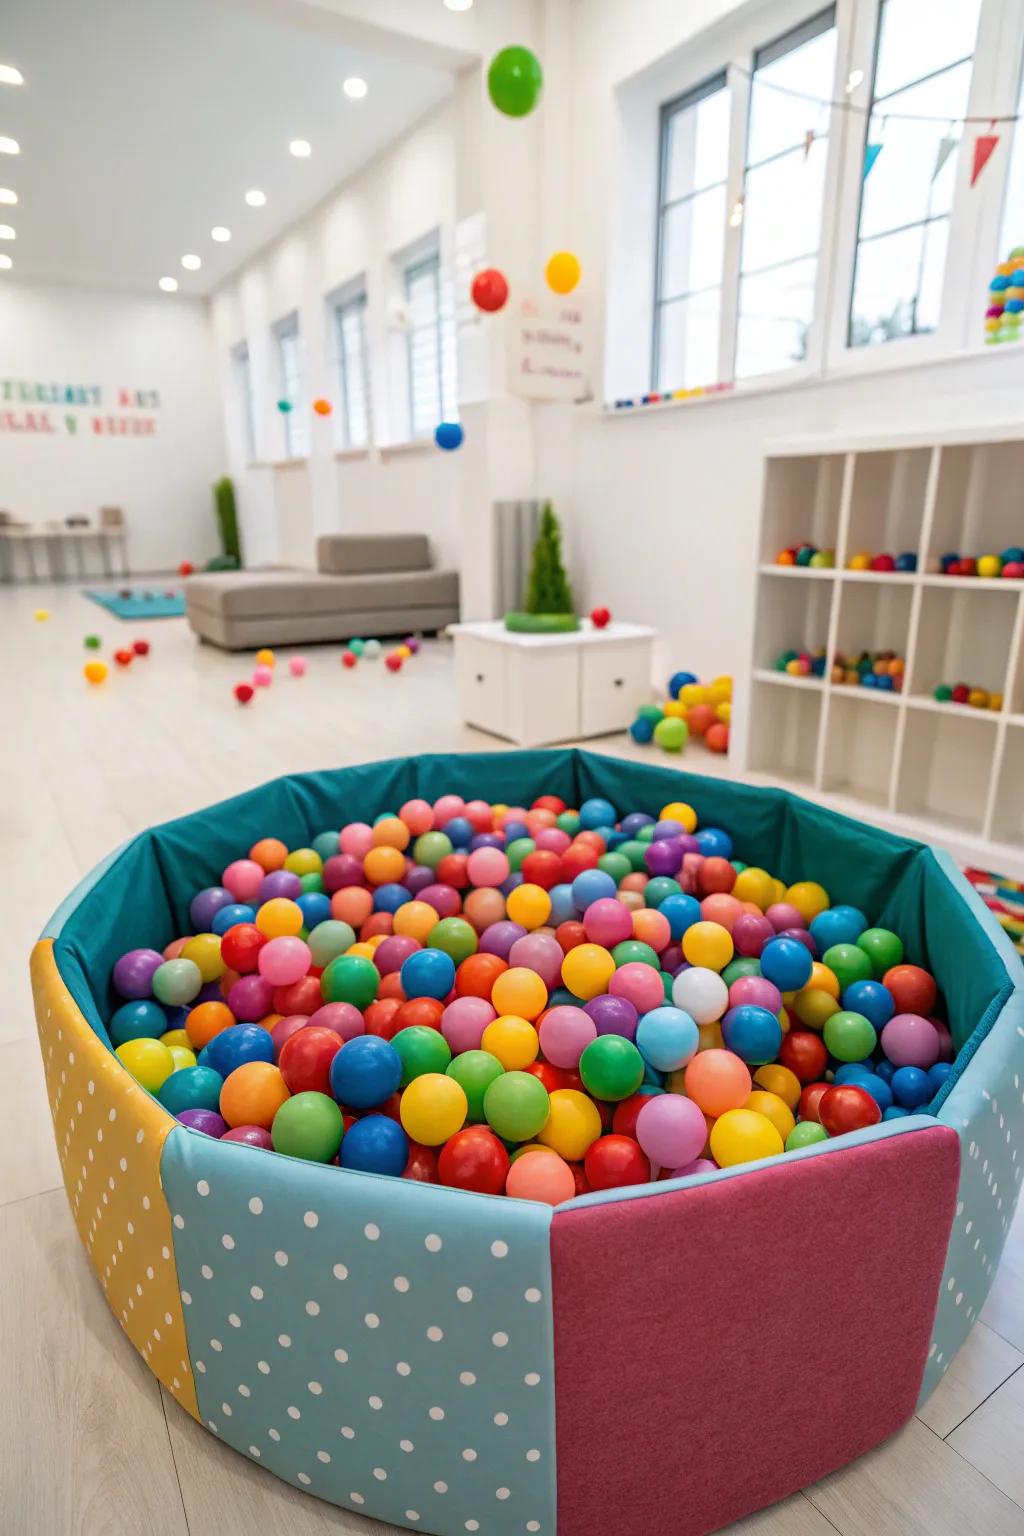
874, 110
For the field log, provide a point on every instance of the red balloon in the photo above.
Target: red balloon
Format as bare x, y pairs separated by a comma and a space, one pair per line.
804, 1053
305, 1059
474, 1159
379, 1017
244, 692
422, 1164
542, 868
140, 647
846, 1107
569, 934
477, 974
420, 1010
810, 1100
303, 996
612, 1161
913, 989
489, 290
240, 947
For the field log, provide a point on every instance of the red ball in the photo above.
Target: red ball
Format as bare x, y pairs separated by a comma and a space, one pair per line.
883, 563
716, 875
716, 737
476, 976
551, 1077
451, 870
810, 1100
474, 1159
392, 1107
845, 1107
549, 803
804, 1053
303, 996
420, 1010
393, 662
305, 1059
590, 839
569, 934
699, 719
626, 1111
1013, 570
123, 658
377, 922
913, 989
968, 566
244, 692
578, 857
422, 1164
140, 647
186, 568
349, 658
580, 1180
240, 947
543, 868
599, 617
961, 693
612, 1161
391, 986
489, 290
379, 1017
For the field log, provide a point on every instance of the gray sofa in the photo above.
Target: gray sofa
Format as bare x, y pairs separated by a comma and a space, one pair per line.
364, 584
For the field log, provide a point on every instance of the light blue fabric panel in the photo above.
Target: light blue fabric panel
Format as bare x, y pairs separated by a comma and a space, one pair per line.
384, 1344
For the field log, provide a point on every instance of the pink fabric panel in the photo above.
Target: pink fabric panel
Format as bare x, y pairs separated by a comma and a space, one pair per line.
719, 1347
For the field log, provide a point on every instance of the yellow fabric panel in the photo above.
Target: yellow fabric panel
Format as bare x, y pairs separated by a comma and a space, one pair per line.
110, 1136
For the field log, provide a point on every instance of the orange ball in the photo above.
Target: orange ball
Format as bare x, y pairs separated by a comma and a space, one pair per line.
722, 909
519, 991
392, 832
415, 920
352, 904
631, 900
717, 1081
699, 718
715, 875
717, 737
253, 1094
477, 974
206, 1020
174, 948
823, 980
634, 882
541, 1175
651, 928
538, 819
483, 907
384, 865
280, 918
270, 853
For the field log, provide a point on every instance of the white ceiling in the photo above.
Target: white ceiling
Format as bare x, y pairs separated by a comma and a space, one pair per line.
142, 123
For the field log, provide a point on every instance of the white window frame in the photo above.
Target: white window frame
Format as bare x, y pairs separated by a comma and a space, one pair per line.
427, 252
350, 299
294, 423
245, 398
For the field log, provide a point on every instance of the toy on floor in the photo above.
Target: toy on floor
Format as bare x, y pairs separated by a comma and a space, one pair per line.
1009, 565
92, 642
41, 615
95, 672
298, 665
801, 663
263, 675
870, 669
965, 693
703, 710
322, 407
1006, 299
140, 647
124, 657
807, 554
243, 692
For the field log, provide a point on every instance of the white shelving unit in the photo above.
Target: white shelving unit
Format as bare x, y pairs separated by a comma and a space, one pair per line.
940, 772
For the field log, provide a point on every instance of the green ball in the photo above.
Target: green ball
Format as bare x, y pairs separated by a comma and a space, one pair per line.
514, 81
659, 889
666, 981
849, 1036
357, 647
177, 982
805, 1135
350, 979
516, 1105
671, 734
475, 1071
325, 844
743, 965
943, 693
645, 835
328, 940
517, 850
611, 1068
455, 936
568, 821
615, 864
431, 847
739, 866
882, 947
848, 963
92, 642
651, 712
422, 1050
311, 882
635, 951
308, 1125
634, 851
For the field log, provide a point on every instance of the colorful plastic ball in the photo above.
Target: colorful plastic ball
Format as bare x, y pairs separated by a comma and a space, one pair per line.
762, 1102
422, 1050
487, 866
837, 925
666, 1037
751, 1033
804, 1053
206, 1121
310, 1126
489, 290
475, 1071
708, 945
716, 1081
454, 937
780, 1081
912, 988
376, 1144
95, 672
848, 963
541, 1175
351, 979
140, 1019
519, 991
433, 1107
587, 969
883, 948
743, 1136
284, 960
846, 1107
262, 676
349, 659
701, 993
514, 81
671, 1130
805, 1134
366, 1071
306, 1057
639, 982
872, 999
565, 1032
513, 1040
133, 973
612, 1162
849, 1036
910, 1040
613, 1015
642, 730
232, 1047
682, 912
253, 1094
786, 962
177, 982
809, 898
573, 1124
611, 1068
149, 1061
474, 1159
448, 435
671, 734
607, 921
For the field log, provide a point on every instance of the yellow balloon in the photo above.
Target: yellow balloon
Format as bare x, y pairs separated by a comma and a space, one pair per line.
678, 810
809, 898
204, 949
823, 977
513, 1040
433, 1108
774, 1109
692, 693
175, 1037
781, 1081
742, 1136
281, 918
756, 885
149, 1062
304, 861
183, 1057
587, 970
364, 949
707, 944
573, 1124
529, 905
563, 271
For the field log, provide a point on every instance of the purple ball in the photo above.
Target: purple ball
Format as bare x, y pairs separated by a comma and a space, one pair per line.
499, 938
511, 881
280, 882
206, 1121
206, 904
802, 937
250, 1136
133, 973
486, 840
396, 949
613, 1015
631, 824
750, 934
250, 999
209, 992
663, 858
689, 843
671, 958
444, 899
668, 831
340, 870
540, 952
418, 878
911, 1040
757, 991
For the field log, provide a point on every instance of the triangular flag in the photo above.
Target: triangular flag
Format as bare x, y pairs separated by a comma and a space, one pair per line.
946, 148
871, 154
984, 144
809, 137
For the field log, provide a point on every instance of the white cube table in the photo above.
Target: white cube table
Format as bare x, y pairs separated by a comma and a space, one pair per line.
537, 689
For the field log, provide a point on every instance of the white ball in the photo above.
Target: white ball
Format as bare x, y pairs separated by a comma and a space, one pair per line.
701, 993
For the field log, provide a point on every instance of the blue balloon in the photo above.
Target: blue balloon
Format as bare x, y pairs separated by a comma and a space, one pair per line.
375, 1144
714, 843
595, 813
428, 973
837, 925
366, 1071
679, 680
460, 831
754, 1034
591, 885
227, 917
386, 898
514, 830
872, 999
191, 1088
787, 963
682, 912
667, 1038
235, 1046
563, 908
140, 1020
911, 1088
449, 435
315, 907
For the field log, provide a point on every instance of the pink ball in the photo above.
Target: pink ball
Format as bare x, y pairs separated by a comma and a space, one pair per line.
512, 813
418, 816
750, 933
284, 960
464, 1021
395, 950
687, 876
263, 676
642, 986
444, 899
251, 998
342, 869
758, 991
487, 866
671, 1130
540, 952
552, 840
356, 839
722, 909
344, 1018
243, 879
447, 808
284, 1029
782, 914
699, 1165
945, 1040
250, 1136
607, 921
565, 1032
297, 666
909, 1040
479, 815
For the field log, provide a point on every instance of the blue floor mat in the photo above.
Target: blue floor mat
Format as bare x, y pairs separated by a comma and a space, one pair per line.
140, 602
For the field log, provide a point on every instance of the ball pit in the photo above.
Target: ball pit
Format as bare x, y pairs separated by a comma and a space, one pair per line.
465, 1321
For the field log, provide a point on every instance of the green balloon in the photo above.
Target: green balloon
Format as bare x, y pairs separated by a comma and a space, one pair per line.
671, 734
568, 821
516, 1106
311, 882
455, 936
328, 940
422, 1050
849, 1036
634, 851
805, 1135
92, 642
325, 844
177, 982
849, 963
611, 1068
659, 889
431, 847
475, 1071
635, 951
743, 965
350, 979
514, 81
517, 850
882, 947
308, 1125
615, 864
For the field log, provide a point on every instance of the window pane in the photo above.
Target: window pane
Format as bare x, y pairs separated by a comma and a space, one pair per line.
886, 287
795, 183
1013, 209
692, 242
353, 369
900, 189
778, 121
688, 331
917, 39
775, 313
933, 267
293, 388
696, 146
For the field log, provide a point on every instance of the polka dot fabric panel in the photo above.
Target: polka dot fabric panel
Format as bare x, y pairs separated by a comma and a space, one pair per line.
386, 1345
109, 1135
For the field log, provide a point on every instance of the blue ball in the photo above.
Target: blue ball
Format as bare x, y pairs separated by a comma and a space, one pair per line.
618, 837
714, 843
885, 1070
787, 963
486, 840
1012, 553
448, 435
595, 813
227, 917
999, 283
911, 1088
938, 1074
366, 1071
852, 1072
679, 680
667, 1038
591, 885
191, 1088
511, 881
630, 825
948, 559
753, 1034
907, 561
460, 831
376, 1144
315, 907
682, 912
837, 925
868, 680
563, 908
235, 1046
871, 999
894, 1112
514, 830
562, 995
604, 833
877, 1087
203, 1058
1013, 306
386, 898
141, 1020
885, 683
428, 973
652, 1078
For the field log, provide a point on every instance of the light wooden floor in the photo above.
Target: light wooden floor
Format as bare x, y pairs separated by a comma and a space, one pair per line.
89, 1445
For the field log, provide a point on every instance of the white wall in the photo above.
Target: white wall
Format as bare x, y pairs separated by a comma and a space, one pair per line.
74, 336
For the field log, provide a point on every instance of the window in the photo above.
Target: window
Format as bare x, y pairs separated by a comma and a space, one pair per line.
292, 377
353, 368
784, 194
245, 396
923, 62
691, 236
430, 352
1012, 234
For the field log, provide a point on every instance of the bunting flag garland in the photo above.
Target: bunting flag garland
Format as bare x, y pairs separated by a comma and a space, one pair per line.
984, 144
946, 147
809, 138
871, 154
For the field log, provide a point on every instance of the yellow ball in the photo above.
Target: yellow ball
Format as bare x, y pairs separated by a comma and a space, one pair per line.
719, 693
860, 561
989, 565
304, 861
41, 615
433, 1108
673, 709
978, 698
723, 712
375, 940
678, 810
711, 1037
95, 671
563, 272
707, 944
995, 701
824, 979
691, 694
756, 885
403, 651
573, 1124
513, 1040
743, 1136
778, 891
281, 918
774, 1109
780, 1081
266, 658
812, 1007
992, 322
415, 920
529, 905
364, 949
204, 950
519, 991
149, 1061
183, 1057
587, 970
809, 898
391, 832
175, 1037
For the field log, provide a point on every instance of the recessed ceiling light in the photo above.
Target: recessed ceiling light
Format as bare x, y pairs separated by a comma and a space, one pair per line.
9, 146
459, 5
191, 263
11, 76
355, 87
218, 232
168, 284
300, 148
255, 198
8, 197
7, 232
6, 263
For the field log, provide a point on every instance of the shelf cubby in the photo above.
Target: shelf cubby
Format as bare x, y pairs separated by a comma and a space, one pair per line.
964, 635
978, 505
873, 616
946, 767
802, 498
796, 619
785, 722
1008, 806
860, 746
887, 502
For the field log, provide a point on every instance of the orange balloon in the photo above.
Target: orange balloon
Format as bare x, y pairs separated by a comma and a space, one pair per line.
352, 904
519, 991
253, 1094
383, 866
207, 1020
717, 1081
269, 852
542, 1176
